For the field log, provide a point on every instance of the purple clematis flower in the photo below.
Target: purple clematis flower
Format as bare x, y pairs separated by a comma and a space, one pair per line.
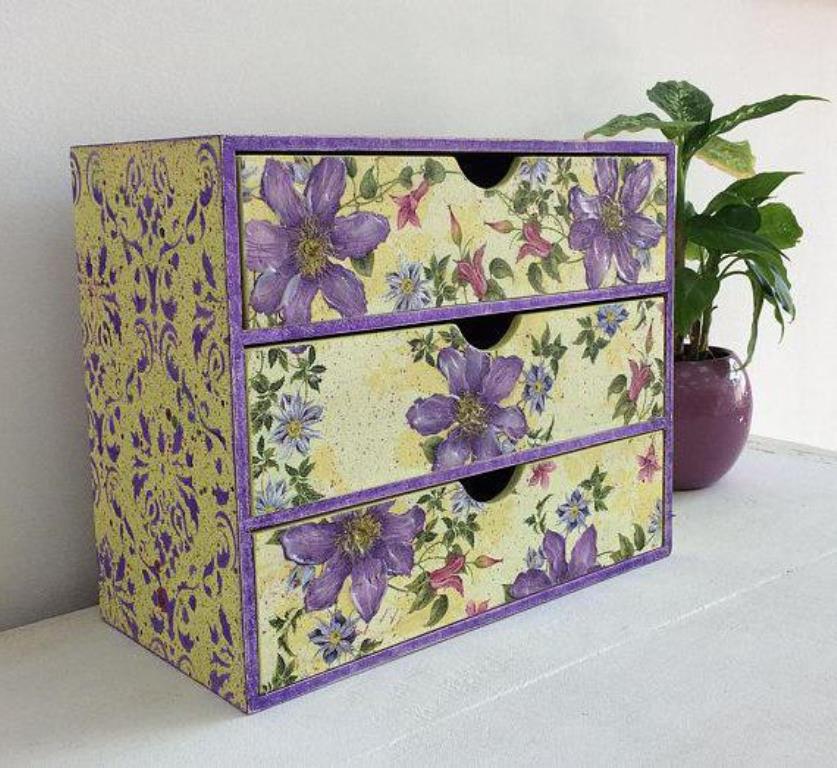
558, 570
478, 422
368, 544
608, 227
296, 258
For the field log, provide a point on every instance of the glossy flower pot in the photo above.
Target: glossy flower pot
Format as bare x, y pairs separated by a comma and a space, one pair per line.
713, 405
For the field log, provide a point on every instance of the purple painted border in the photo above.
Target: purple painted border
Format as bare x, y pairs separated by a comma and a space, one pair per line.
260, 336
232, 145
668, 465
243, 144
240, 429
411, 484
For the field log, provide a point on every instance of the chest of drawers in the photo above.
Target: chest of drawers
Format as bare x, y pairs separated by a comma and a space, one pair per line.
349, 397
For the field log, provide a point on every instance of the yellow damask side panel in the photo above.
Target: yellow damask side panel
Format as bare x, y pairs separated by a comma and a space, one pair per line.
152, 275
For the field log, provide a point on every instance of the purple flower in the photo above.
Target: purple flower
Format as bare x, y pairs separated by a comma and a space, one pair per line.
295, 423
296, 257
558, 570
462, 504
478, 423
335, 637
367, 545
535, 170
272, 498
610, 317
408, 288
608, 227
573, 513
537, 387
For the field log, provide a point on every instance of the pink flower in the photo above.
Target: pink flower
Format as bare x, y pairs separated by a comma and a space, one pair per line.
535, 245
408, 205
648, 464
541, 472
446, 576
472, 272
504, 226
640, 377
455, 228
474, 609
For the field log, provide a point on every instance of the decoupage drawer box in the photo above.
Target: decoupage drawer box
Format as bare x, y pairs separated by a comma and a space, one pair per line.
348, 397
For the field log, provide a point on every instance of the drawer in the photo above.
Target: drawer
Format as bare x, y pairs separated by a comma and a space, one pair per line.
341, 415
333, 589
334, 237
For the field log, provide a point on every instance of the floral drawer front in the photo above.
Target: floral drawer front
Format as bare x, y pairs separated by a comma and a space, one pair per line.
349, 413
329, 237
335, 588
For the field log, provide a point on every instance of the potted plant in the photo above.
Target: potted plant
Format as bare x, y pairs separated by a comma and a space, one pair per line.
742, 233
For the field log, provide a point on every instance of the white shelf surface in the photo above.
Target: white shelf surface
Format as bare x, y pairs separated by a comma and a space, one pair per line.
724, 653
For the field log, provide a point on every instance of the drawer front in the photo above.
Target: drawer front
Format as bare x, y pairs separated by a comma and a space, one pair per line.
333, 589
351, 413
329, 237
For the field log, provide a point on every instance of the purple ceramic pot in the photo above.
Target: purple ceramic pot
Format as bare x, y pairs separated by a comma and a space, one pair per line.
713, 405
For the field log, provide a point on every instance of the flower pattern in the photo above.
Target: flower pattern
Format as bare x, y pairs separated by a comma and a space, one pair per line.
338, 587
439, 402
297, 258
366, 546
472, 411
609, 226
408, 290
337, 228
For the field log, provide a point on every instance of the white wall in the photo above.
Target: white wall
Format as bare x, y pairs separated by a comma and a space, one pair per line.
80, 72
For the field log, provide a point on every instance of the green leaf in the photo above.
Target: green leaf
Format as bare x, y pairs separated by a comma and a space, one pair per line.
779, 225
434, 171
429, 447
732, 157
618, 384
406, 176
626, 548
369, 184
500, 269
639, 537
634, 123
535, 275
770, 271
753, 190
693, 293
552, 264
699, 136
758, 304
717, 236
364, 265
745, 217
351, 166
681, 101
437, 610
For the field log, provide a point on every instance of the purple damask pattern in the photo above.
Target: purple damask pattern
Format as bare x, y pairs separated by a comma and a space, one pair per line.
149, 245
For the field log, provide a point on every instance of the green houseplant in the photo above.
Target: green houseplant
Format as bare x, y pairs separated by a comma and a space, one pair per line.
741, 233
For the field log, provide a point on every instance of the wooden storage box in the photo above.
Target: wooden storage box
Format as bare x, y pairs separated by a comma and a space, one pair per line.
349, 397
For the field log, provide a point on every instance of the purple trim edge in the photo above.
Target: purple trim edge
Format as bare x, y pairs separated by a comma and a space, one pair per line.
309, 684
240, 430
230, 145
668, 468
260, 336
400, 487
